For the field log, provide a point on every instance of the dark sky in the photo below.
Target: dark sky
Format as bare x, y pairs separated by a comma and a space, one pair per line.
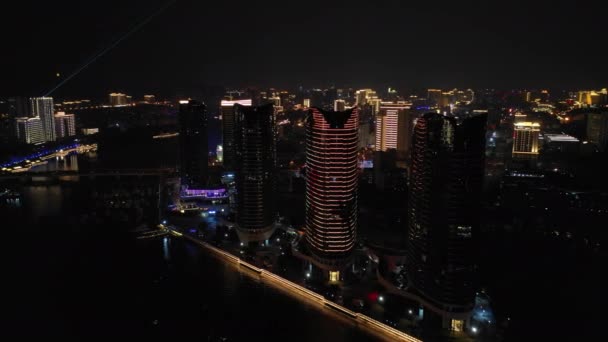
502, 44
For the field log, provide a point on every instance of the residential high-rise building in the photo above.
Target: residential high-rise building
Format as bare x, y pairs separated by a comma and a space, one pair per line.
194, 153
65, 125
525, 138
29, 130
394, 127
331, 186
255, 146
227, 110
443, 214
597, 129
339, 105
118, 99
42, 107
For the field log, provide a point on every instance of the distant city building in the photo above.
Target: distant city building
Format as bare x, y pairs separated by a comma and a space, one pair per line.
118, 99
306, 103
443, 214
525, 138
362, 96
339, 105
434, 96
43, 108
255, 146
90, 131
30, 130
276, 101
194, 153
331, 186
561, 143
597, 129
589, 98
227, 110
149, 99
394, 127
65, 125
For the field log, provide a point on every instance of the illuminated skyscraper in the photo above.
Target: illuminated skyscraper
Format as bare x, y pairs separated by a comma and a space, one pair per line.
394, 127
306, 103
65, 125
443, 214
255, 145
228, 126
29, 130
331, 185
194, 154
42, 107
525, 138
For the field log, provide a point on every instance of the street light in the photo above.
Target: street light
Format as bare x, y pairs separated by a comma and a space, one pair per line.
381, 299
307, 275
474, 330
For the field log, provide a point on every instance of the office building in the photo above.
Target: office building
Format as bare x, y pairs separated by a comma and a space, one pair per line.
227, 110
597, 129
525, 138
331, 186
255, 146
65, 125
394, 128
29, 130
42, 107
118, 99
443, 213
194, 154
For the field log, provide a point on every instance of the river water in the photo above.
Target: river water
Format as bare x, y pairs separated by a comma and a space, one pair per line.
70, 281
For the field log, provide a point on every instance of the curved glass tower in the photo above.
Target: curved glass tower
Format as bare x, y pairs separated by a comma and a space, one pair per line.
444, 206
331, 185
255, 151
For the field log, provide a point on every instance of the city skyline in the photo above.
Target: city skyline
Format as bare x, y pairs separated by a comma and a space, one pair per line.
305, 170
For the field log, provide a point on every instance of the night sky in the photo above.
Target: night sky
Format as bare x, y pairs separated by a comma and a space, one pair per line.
505, 44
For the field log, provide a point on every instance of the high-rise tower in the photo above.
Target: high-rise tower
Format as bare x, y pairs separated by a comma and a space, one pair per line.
194, 153
443, 214
42, 107
228, 128
255, 146
331, 185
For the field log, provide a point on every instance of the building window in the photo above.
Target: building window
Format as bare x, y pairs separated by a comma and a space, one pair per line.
334, 276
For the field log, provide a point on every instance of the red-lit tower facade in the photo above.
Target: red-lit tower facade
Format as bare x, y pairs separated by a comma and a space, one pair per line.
331, 186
